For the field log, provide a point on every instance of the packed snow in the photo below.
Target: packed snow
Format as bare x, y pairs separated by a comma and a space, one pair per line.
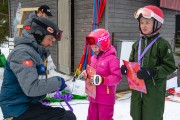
121, 109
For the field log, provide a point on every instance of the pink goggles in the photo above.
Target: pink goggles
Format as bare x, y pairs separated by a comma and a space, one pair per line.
92, 40
147, 13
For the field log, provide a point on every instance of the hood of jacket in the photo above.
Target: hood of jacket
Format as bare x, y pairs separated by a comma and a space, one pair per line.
29, 39
28, 22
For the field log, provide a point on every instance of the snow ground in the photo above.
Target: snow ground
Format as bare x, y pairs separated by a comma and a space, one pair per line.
121, 109
5, 51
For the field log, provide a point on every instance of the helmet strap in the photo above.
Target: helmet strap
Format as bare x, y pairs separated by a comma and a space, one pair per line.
38, 37
156, 28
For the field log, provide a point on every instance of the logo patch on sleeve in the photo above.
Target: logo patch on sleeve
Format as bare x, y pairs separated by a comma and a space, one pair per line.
28, 63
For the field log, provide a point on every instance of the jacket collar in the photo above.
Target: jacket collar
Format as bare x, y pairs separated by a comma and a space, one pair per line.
151, 37
29, 39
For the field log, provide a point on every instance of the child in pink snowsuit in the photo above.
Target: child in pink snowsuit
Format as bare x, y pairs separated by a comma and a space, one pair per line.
108, 75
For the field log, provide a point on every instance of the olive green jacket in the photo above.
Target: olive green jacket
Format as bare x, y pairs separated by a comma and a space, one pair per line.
159, 56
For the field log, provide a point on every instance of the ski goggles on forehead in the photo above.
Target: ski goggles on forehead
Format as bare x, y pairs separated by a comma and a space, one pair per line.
147, 13
59, 35
90, 41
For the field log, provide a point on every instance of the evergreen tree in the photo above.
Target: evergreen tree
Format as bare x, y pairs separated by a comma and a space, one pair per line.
4, 20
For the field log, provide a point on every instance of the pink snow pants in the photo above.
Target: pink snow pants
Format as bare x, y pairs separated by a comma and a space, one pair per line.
100, 112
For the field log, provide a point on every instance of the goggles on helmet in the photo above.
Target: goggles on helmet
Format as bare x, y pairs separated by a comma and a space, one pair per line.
93, 40
90, 41
147, 13
58, 35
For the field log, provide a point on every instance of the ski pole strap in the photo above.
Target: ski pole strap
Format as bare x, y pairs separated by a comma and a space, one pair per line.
65, 97
46, 103
140, 56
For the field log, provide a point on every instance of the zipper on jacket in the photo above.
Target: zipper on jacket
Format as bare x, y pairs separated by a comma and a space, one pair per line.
145, 45
154, 81
146, 39
142, 63
107, 89
149, 73
152, 77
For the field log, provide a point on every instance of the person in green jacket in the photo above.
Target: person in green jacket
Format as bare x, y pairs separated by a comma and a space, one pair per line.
154, 54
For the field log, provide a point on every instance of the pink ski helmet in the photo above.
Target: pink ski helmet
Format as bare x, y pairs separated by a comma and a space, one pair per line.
99, 37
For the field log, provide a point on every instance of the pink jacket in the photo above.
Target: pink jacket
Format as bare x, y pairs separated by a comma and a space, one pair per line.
108, 66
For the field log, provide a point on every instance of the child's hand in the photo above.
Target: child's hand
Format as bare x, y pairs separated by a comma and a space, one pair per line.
83, 75
123, 69
97, 80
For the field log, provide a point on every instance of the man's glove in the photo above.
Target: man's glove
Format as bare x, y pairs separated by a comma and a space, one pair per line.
63, 84
123, 69
146, 73
97, 80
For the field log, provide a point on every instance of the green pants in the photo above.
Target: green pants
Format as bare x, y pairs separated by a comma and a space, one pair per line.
149, 106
